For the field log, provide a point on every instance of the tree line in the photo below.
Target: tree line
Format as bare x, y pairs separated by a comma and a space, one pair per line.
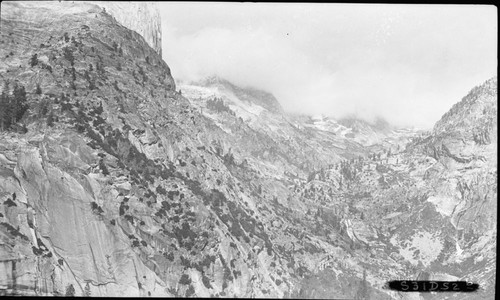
13, 105
218, 105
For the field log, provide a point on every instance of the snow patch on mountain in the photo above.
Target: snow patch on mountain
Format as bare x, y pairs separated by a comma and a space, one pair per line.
444, 205
423, 248
197, 95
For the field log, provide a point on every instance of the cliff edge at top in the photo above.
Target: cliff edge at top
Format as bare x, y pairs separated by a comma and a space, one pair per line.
141, 17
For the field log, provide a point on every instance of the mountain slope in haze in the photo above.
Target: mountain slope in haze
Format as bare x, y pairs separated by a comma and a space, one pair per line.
122, 186
422, 213
304, 141
469, 130
250, 95
399, 205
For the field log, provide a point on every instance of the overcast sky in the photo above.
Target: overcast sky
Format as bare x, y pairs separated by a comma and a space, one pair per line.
406, 63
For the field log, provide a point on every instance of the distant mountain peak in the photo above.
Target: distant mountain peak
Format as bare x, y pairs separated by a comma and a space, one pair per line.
355, 122
248, 94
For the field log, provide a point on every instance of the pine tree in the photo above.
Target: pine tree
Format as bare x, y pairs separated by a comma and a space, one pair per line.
50, 120
3, 114
68, 54
18, 103
86, 291
43, 108
70, 291
5, 108
34, 60
38, 89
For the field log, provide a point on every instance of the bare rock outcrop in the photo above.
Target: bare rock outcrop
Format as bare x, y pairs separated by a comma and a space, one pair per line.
141, 17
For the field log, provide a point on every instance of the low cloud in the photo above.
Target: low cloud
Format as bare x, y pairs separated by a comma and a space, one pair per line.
408, 65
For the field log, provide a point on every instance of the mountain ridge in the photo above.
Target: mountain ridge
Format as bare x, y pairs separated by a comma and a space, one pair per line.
247, 94
142, 18
123, 186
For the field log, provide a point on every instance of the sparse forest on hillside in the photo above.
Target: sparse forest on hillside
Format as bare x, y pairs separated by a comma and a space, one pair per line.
114, 183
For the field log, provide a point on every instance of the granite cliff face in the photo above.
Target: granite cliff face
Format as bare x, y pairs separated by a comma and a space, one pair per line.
74, 65
122, 186
141, 17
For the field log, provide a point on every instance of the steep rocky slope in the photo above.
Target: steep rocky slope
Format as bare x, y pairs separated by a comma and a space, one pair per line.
122, 186
308, 142
248, 95
141, 17
426, 212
